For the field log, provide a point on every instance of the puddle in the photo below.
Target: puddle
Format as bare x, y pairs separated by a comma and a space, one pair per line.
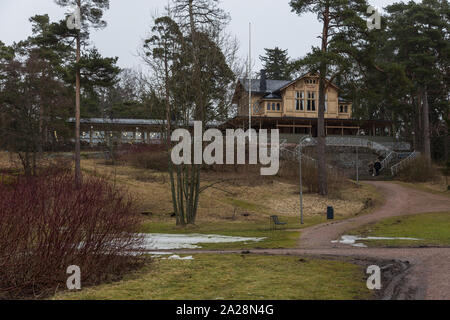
156, 241
352, 240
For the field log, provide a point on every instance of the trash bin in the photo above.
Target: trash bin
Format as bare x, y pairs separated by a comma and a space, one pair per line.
330, 213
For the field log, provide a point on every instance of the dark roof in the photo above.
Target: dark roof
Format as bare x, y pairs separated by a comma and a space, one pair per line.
273, 96
343, 100
301, 77
132, 122
272, 85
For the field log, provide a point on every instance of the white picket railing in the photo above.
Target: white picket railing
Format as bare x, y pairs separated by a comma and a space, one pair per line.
388, 154
395, 169
388, 159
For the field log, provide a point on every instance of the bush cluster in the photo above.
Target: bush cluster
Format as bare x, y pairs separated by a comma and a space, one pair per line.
47, 225
417, 170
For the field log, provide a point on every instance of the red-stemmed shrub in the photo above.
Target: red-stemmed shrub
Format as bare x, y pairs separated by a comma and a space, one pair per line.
47, 225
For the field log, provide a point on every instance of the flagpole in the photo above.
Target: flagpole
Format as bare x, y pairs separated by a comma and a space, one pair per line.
250, 82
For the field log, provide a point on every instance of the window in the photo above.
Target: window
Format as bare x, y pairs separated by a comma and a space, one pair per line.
326, 102
299, 100
311, 101
268, 106
278, 107
343, 108
273, 106
310, 81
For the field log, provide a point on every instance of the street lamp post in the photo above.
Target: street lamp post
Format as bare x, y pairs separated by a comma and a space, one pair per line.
357, 157
307, 140
301, 183
357, 162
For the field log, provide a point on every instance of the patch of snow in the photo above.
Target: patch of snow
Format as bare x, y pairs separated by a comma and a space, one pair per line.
177, 257
351, 240
158, 241
359, 245
159, 253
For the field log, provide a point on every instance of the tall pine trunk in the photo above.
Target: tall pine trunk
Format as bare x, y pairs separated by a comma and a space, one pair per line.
426, 125
321, 139
446, 143
78, 178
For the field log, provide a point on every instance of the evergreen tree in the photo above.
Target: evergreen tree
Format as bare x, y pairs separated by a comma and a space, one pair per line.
276, 63
409, 74
343, 34
418, 34
91, 14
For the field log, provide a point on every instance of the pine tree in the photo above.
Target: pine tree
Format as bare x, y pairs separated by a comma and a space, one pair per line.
419, 37
91, 16
342, 29
276, 64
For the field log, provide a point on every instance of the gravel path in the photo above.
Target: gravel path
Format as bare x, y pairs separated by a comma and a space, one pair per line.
398, 201
428, 272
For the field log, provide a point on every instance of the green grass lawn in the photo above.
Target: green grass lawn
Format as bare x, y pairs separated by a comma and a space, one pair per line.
284, 237
274, 239
236, 277
432, 228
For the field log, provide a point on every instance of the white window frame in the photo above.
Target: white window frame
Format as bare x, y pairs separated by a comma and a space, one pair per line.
311, 101
300, 101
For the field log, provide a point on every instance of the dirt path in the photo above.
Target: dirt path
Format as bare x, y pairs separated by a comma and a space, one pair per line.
428, 275
398, 201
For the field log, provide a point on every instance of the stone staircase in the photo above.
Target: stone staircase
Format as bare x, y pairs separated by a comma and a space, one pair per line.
391, 163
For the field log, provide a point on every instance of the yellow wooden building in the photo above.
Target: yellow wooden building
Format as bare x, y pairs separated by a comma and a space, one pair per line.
292, 107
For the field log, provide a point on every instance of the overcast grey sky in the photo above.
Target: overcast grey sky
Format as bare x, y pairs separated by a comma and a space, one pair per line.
129, 20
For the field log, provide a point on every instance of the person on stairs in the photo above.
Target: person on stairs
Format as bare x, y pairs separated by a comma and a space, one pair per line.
371, 170
377, 166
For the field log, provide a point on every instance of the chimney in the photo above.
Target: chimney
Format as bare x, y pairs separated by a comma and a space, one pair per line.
263, 81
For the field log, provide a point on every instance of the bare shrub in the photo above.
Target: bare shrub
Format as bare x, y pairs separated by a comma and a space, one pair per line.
289, 170
417, 170
153, 156
47, 225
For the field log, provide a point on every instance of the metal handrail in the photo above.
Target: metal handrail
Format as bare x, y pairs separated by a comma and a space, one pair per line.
356, 142
396, 168
389, 155
295, 154
389, 158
